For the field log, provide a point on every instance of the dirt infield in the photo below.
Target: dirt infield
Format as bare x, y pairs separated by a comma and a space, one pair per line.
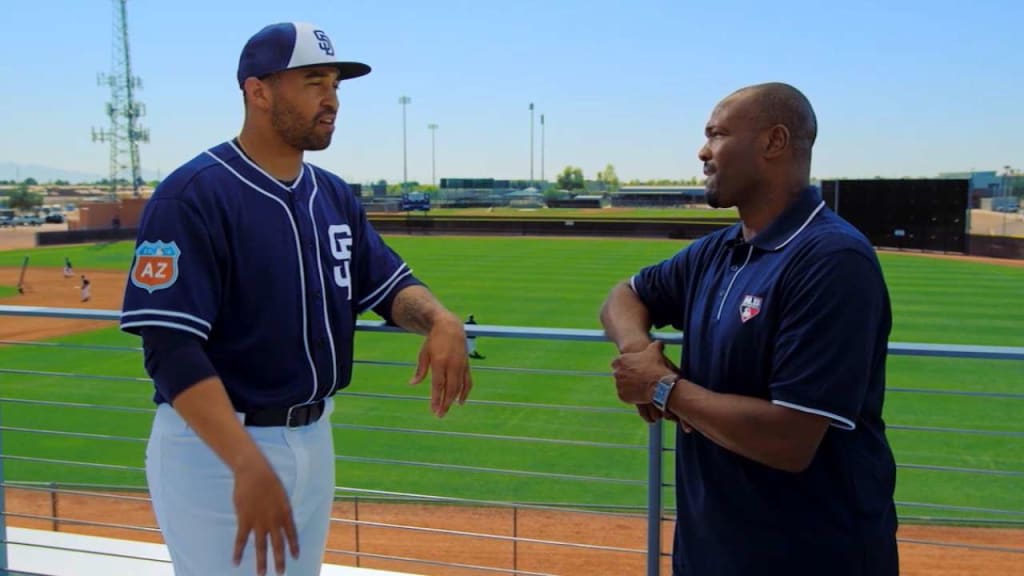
47, 287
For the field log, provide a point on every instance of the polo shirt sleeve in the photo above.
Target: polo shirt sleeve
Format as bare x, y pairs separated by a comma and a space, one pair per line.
836, 315
661, 287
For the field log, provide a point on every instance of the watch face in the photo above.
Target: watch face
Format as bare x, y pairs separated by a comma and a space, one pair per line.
661, 393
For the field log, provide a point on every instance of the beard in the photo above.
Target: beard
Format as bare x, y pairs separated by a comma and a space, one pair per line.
295, 130
711, 195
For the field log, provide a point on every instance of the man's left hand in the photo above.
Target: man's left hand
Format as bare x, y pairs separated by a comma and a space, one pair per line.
636, 373
443, 354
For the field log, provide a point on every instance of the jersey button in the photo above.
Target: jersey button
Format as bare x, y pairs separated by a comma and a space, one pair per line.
734, 267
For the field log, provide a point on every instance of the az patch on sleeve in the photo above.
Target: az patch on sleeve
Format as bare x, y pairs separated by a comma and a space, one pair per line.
156, 265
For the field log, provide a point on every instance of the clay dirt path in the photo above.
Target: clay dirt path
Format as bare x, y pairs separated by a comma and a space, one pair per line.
384, 538
49, 288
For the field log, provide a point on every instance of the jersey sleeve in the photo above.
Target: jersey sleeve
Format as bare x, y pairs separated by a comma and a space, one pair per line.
836, 314
175, 280
381, 272
661, 287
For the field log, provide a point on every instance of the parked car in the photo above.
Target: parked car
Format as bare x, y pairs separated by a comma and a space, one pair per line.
54, 218
27, 221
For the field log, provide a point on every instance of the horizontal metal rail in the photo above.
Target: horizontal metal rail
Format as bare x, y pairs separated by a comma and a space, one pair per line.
72, 463
984, 547
482, 469
516, 572
498, 437
579, 335
55, 403
79, 522
83, 435
952, 508
1008, 433
414, 498
484, 536
55, 488
84, 551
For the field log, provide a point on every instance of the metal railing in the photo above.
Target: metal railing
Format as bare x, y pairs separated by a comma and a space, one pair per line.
653, 512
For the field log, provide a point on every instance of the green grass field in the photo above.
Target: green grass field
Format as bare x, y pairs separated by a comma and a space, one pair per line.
618, 213
549, 283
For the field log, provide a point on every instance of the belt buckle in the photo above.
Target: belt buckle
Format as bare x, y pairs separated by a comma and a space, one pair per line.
307, 416
289, 423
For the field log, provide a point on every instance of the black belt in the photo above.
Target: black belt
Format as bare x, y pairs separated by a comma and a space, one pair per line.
291, 417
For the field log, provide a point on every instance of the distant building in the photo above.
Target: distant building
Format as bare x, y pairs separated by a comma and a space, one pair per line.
659, 196
985, 184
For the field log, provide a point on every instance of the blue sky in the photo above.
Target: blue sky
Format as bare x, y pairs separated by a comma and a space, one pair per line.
901, 88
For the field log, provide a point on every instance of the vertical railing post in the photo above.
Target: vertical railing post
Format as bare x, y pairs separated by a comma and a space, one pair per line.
654, 499
355, 514
3, 510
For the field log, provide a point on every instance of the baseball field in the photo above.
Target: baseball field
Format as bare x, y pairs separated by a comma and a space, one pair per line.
960, 448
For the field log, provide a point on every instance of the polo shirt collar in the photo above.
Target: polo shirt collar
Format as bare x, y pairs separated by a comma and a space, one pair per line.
791, 222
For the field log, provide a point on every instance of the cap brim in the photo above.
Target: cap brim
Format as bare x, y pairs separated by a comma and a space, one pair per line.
346, 70
349, 70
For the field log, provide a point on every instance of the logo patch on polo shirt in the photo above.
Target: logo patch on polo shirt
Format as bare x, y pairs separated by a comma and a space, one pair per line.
750, 307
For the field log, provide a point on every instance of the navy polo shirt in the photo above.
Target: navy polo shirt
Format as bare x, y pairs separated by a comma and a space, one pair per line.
799, 316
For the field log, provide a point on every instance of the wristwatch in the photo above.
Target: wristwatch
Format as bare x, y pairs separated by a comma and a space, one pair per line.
663, 390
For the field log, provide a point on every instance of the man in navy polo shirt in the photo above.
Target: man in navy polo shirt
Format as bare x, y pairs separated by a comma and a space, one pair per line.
785, 318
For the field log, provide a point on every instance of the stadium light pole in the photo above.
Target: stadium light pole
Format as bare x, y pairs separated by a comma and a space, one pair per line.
433, 154
542, 148
531, 143
1007, 185
405, 162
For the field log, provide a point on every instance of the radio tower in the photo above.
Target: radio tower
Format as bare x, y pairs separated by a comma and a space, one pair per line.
124, 111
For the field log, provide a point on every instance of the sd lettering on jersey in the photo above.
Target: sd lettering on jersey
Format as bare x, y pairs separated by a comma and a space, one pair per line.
341, 248
156, 265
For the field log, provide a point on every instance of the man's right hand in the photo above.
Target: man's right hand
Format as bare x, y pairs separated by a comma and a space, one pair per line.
261, 504
262, 507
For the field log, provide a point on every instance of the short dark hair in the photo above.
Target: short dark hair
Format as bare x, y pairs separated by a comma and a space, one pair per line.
780, 103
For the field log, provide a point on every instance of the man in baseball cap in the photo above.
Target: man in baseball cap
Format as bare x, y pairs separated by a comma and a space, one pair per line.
288, 45
251, 267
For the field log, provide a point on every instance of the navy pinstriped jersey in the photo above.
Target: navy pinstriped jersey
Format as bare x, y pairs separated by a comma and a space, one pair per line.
271, 277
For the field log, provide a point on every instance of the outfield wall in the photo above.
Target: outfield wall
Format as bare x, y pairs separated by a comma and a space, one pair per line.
996, 247
546, 226
990, 246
